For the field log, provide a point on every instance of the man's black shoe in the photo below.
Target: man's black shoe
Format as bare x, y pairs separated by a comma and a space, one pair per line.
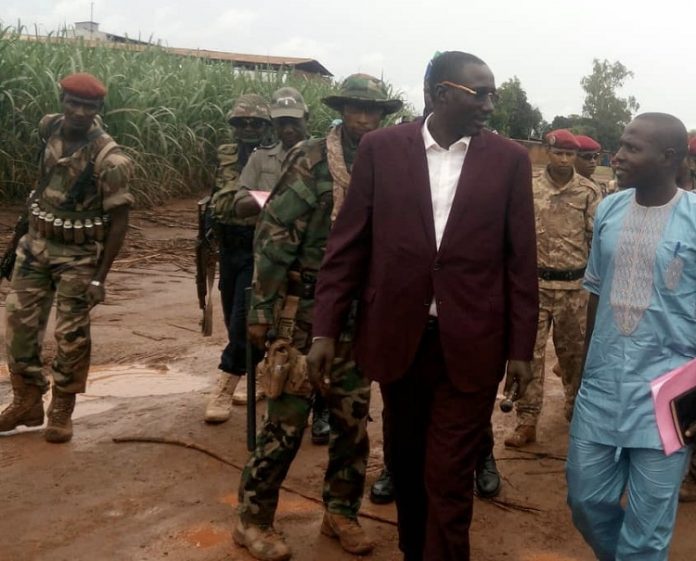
382, 491
321, 430
487, 478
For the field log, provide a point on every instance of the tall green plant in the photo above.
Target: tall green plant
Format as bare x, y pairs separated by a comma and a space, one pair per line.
167, 111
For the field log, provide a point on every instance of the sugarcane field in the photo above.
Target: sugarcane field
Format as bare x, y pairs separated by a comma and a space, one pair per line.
256, 307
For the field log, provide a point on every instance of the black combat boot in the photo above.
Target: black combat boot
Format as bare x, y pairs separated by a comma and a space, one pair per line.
487, 477
382, 491
320, 421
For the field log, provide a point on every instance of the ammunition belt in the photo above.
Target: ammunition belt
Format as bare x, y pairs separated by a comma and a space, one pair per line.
68, 227
556, 275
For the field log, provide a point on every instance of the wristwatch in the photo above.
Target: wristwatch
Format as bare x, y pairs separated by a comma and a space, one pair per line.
95, 283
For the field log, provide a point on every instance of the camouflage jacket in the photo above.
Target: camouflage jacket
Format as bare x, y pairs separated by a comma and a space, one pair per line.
292, 231
104, 185
226, 175
564, 217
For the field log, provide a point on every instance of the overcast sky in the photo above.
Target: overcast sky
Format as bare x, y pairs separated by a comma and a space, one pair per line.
548, 44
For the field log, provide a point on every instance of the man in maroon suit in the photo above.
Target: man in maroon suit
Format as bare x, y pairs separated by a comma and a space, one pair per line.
436, 240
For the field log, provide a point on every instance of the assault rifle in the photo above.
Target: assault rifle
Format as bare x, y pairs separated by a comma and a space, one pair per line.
10, 256
206, 259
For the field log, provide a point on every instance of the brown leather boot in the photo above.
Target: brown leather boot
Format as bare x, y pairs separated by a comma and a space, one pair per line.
26, 407
59, 427
523, 435
348, 532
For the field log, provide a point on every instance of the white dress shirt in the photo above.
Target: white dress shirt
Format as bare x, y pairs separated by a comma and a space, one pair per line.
444, 169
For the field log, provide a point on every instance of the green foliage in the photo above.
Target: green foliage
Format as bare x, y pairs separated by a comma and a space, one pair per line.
514, 116
167, 111
609, 113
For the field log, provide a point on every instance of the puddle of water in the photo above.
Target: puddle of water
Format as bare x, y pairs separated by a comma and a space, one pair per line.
136, 380
107, 383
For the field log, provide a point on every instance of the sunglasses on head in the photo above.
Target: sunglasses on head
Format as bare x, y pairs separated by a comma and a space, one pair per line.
479, 94
589, 157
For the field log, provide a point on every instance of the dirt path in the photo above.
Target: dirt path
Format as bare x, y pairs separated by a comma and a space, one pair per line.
96, 499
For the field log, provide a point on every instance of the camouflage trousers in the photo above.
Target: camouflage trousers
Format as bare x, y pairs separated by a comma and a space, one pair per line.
279, 440
45, 271
566, 311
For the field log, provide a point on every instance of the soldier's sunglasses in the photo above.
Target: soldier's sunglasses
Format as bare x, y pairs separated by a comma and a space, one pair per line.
244, 122
479, 94
589, 157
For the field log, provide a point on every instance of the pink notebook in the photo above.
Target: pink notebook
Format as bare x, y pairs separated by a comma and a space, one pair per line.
664, 389
260, 197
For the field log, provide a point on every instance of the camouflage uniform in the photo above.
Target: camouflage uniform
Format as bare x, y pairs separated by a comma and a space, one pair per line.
291, 235
48, 268
564, 222
234, 235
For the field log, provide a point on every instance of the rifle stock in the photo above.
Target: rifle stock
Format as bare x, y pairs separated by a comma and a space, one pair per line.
10, 256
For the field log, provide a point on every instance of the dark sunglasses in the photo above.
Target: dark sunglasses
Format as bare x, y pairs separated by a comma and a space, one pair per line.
589, 157
479, 94
244, 122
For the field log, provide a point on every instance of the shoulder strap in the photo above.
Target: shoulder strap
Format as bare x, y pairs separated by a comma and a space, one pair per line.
103, 153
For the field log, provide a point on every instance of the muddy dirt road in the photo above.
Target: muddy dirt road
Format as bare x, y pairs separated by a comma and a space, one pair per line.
94, 499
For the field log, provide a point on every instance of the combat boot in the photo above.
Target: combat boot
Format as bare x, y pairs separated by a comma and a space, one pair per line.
26, 407
523, 435
240, 395
219, 407
321, 430
59, 427
348, 532
262, 543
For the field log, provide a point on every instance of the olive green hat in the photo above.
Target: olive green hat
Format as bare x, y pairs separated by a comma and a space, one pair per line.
363, 89
288, 102
249, 106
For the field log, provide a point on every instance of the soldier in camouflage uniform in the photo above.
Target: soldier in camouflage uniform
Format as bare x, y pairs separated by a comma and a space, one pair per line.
586, 163
564, 205
78, 218
289, 245
250, 120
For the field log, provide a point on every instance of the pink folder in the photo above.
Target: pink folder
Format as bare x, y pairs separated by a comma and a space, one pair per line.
664, 389
260, 197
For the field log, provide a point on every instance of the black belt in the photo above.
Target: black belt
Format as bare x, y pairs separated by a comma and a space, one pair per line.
556, 275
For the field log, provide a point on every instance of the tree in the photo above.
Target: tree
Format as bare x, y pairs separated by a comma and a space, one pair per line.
577, 124
514, 116
608, 112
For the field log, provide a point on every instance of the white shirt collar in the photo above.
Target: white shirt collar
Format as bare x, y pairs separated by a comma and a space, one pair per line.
430, 142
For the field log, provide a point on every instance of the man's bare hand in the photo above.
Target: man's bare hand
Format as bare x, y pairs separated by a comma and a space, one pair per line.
691, 431
319, 361
95, 295
256, 333
519, 373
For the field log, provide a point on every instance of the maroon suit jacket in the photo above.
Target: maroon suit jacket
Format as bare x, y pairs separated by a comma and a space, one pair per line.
382, 251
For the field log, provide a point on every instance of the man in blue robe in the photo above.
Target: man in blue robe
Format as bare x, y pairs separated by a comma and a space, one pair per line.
641, 318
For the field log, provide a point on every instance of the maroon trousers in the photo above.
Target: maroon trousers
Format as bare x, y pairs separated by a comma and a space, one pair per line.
436, 433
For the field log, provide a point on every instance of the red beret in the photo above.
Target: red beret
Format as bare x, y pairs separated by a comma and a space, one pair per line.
563, 139
83, 84
588, 144
692, 146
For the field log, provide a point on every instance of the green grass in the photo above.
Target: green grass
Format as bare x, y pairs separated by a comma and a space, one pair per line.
167, 111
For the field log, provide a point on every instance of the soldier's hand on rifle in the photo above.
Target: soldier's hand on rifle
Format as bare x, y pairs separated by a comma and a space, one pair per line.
519, 374
319, 362
95, 293
256, 333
